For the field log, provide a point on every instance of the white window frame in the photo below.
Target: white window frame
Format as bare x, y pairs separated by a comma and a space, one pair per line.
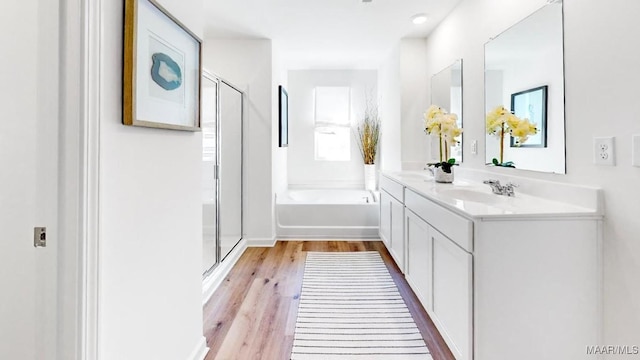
332, 116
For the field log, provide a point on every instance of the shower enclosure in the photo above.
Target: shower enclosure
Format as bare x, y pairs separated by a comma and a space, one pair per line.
222, 169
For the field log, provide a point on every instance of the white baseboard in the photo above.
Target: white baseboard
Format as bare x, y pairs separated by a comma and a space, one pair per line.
327, 232
211, 282
327, 237
261, 242
201, 350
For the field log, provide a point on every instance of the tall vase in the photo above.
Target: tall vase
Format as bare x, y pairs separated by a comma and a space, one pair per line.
441, 176
370, 177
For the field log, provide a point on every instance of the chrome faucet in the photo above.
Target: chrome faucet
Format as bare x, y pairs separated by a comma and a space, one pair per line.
496, 188
509, 189
499, 189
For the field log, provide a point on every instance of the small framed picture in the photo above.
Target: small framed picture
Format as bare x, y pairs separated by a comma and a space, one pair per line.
162, 69
532, 104
284, 116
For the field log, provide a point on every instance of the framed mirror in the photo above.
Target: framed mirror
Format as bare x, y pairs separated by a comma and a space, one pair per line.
446, 92
524, 76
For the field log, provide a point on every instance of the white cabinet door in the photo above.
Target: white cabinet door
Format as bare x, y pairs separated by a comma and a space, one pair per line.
385, 218
419, 264
452, 294
397, 233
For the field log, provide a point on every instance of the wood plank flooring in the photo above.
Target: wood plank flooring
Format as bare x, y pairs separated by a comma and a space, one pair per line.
252, 315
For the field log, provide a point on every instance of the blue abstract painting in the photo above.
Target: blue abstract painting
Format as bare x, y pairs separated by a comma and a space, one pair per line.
166, 72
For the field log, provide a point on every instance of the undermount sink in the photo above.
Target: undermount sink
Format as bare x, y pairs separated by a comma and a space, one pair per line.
417, 176
474, 195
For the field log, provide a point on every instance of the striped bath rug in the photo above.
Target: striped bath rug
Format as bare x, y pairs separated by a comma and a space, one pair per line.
350, 308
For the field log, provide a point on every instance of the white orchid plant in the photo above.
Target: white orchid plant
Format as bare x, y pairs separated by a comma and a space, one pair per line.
438, 122
500, 122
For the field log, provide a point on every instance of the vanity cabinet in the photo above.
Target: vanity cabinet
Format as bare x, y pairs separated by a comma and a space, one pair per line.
439, 269
392, 219
522, 281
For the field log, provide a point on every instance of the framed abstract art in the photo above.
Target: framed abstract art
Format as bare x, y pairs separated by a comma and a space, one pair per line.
162, 69
532, 104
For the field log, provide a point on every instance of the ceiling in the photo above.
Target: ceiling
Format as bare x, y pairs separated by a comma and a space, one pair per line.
325, 34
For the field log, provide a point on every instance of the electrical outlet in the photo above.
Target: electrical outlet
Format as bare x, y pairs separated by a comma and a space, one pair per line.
474, 147
604, 151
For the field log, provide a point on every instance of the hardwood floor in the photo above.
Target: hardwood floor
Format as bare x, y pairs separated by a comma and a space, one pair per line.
253, 313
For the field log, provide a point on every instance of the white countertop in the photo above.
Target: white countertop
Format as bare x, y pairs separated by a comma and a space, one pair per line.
475, 200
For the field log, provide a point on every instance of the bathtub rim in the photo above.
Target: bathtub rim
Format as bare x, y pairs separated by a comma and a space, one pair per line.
326, 232
279, 196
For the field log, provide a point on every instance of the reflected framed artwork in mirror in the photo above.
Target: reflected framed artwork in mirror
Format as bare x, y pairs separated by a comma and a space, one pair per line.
446, 92
524, 74
532, 105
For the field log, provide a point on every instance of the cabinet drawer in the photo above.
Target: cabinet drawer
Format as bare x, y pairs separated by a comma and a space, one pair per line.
393, 188
457, 228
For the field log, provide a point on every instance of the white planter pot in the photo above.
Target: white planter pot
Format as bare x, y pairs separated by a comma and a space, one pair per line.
442, 177
370, 177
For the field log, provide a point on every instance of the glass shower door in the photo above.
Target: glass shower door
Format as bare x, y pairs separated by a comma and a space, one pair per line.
230, 167
209, 123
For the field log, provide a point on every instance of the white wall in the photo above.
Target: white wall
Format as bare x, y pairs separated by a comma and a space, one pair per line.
280, 155
33, 292
150, 218
593, 108
415, 101
248, 65
389, 94
303, 169
404, 99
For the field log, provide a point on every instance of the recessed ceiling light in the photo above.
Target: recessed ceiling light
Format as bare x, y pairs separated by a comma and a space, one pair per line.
419, 19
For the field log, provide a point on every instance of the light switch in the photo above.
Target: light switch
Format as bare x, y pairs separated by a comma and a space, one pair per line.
635, 150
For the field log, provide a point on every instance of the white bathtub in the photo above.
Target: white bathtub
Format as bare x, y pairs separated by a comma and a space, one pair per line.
327, 214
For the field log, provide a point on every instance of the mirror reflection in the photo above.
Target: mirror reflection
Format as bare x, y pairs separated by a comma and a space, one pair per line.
524, 94
446, 92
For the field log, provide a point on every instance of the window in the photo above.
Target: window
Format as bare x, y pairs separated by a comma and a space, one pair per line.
333, 143
332, 123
